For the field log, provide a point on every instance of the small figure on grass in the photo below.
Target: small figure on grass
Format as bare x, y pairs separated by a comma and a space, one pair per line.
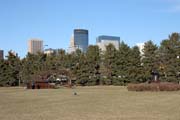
155, 76
74, 92
33, 85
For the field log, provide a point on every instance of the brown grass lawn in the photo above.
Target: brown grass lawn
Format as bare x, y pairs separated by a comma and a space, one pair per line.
91, 103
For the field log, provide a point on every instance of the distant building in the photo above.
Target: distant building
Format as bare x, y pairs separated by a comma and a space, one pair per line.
103, 41
141, 47
49, 51
1, 54
72, 46
79, 40
35, 46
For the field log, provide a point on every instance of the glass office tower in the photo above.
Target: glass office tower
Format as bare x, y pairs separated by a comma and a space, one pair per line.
81, 39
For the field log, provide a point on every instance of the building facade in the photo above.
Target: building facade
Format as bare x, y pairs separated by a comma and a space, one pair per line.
79, 40
72, 46
1, 54
103, 41
35, 46
49, 51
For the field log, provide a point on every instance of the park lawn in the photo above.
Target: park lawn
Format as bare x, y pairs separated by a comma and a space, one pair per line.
90, 103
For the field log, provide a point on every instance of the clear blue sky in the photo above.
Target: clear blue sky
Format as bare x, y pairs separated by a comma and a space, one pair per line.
135, 21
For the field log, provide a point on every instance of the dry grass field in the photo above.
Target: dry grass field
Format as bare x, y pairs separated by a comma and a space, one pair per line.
91, 103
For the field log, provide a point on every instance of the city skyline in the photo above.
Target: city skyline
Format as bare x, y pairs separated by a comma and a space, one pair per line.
53, 21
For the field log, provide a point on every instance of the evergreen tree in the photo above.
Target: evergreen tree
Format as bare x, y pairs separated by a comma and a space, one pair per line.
81, 69
169, 57
149, 60
135, 68
122, 65
93, 61
60, 59
32, 64
109, 64
3, 75
11, 73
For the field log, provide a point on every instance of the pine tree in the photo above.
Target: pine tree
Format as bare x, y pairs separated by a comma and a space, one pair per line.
122, 65
93, 61
31, 65
169, 57
11, 73
3, 75
135, 68
109, 64
81, 69
149, 60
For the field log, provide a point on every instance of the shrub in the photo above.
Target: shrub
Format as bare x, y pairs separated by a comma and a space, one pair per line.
163, 86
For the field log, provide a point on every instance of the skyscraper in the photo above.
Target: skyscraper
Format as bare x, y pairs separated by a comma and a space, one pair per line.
1, 54
79, 40
72, 46
104, 40
35, 46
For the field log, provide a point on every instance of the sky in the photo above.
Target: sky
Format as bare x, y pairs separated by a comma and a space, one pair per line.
53, 21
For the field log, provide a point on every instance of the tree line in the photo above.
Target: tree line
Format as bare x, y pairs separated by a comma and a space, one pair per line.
96, 67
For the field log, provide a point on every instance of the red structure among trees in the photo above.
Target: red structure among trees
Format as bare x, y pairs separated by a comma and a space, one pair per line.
49, 79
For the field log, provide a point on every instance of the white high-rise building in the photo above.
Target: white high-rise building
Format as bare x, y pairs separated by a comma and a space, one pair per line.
72, 46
